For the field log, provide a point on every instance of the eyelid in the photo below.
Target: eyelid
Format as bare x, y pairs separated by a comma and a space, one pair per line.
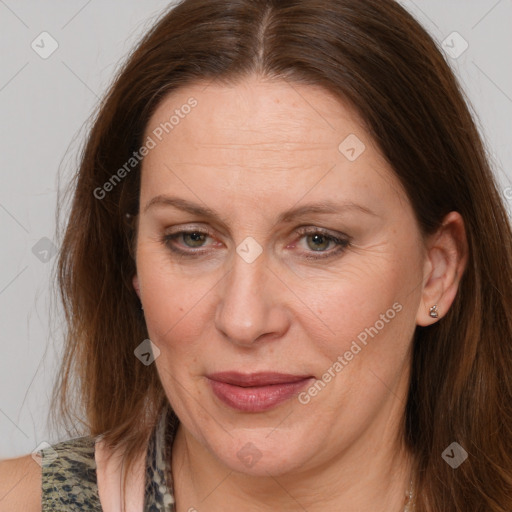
189, 228
337, 237
309, 229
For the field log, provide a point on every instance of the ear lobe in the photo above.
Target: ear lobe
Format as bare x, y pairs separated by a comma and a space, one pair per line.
447, 257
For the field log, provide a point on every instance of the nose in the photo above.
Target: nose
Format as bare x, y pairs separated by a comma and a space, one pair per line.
251, 304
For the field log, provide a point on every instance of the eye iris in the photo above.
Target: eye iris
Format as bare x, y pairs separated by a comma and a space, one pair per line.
196, 239
319, 242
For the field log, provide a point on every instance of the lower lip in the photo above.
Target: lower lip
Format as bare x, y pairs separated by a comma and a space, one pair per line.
256, 398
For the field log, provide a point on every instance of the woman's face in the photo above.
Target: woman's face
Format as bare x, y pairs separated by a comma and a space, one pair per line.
301, 257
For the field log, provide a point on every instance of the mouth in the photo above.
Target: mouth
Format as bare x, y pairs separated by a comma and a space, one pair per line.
256, 392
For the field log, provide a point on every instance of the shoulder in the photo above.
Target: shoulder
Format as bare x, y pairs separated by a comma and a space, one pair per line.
69, 478
59, 476
20, 485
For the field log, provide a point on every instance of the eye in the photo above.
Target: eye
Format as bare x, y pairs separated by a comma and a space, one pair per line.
185, 241
323, 243
194, 242
318, 241
193, 238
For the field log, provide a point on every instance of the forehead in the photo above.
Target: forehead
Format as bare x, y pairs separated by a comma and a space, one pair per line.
257, 135
267, 111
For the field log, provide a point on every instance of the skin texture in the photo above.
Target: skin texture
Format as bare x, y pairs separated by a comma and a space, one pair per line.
250, 152
20, 485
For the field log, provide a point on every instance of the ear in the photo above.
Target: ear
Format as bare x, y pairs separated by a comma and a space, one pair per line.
135, 281
446, 259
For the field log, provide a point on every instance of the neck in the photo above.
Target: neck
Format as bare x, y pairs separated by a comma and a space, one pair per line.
373, 474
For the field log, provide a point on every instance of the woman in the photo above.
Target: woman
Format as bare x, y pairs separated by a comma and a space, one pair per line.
286, 275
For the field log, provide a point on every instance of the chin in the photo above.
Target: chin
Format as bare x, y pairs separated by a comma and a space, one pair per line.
276, 454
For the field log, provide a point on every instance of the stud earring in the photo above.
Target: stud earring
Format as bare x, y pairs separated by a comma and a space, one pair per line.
433, 311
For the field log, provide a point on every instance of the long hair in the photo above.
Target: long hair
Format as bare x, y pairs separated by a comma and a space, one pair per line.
373, 54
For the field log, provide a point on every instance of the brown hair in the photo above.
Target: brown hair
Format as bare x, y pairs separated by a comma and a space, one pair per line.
373, 54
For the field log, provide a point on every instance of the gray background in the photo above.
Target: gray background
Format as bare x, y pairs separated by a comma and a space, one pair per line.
44, 104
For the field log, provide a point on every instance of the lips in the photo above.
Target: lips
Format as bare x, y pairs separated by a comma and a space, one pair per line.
256, 392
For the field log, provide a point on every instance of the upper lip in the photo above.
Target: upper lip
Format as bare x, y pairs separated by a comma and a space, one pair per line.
256, 379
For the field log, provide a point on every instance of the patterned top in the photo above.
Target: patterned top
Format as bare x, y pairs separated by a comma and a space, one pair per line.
69, 480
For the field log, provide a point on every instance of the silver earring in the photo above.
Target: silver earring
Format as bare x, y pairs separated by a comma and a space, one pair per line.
433, 311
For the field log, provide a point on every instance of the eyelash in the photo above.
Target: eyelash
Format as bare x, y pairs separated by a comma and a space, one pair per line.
342, 243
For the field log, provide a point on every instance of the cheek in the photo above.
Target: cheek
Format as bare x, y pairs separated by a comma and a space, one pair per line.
168, 297
367, 301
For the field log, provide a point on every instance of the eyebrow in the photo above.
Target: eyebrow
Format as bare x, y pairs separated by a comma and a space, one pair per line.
323, 207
